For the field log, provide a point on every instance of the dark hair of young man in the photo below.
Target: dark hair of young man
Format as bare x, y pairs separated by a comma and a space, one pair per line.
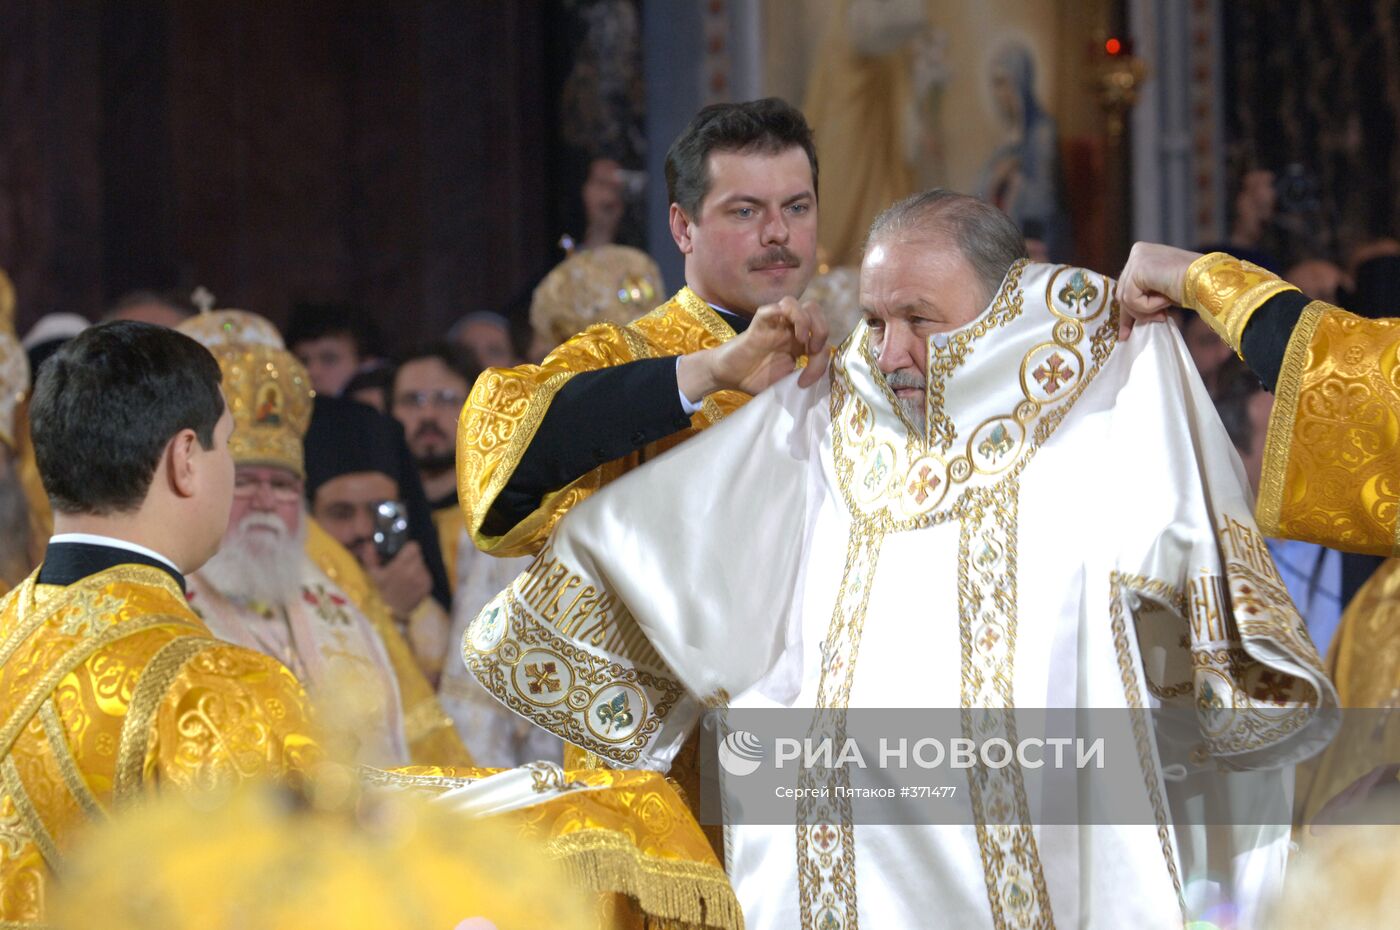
106, 405
769, 127
171, 300
379, 378
458, 358
318, 320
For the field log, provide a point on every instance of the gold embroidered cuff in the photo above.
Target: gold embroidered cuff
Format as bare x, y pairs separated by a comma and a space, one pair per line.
1226, 291
1279, 439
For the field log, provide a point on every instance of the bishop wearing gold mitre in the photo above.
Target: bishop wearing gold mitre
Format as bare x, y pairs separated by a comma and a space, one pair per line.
280, 584
1331, 472
110, 684
535, 440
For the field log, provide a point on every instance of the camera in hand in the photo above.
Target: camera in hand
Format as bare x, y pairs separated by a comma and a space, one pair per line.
390, 529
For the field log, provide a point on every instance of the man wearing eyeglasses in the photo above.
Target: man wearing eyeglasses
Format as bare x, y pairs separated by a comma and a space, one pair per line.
426, 396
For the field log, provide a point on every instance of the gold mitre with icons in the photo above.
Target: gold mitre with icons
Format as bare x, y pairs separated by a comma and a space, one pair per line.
268, 391
14, 365
608, 284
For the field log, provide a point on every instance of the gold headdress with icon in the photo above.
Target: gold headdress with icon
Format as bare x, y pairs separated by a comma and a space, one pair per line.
609, 284
268, 391
14, 366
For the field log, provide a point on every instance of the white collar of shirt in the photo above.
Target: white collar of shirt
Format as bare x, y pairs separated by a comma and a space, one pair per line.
92, 539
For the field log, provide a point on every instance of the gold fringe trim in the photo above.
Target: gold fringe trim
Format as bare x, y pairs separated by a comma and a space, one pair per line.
1278, 440
673, 894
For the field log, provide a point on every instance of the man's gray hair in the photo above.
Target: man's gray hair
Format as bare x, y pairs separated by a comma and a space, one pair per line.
987, 238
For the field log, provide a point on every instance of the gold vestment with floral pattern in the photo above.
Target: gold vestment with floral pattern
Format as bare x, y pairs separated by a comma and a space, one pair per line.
112, 688
1332, 457
507, 405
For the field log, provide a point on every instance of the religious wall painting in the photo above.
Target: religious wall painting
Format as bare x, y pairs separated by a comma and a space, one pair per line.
986, 97
1021, 176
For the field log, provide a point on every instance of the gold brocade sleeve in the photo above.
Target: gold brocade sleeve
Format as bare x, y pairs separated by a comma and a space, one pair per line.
634, 838
500, 419
432, 736
1331, 470
1226, 291
225, 714
507, 405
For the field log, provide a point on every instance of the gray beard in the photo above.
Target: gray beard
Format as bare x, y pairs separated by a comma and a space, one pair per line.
261, 569
913, 408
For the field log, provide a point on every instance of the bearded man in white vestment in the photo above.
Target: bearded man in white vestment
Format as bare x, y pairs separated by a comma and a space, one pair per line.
281, 585
945, 521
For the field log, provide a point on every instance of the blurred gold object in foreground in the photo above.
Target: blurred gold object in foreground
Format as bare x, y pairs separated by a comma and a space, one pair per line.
267, 859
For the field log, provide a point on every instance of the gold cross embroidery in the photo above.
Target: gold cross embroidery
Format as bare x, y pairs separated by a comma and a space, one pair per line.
1053, 372
1274, 686
858, 419
923, 484
542, 677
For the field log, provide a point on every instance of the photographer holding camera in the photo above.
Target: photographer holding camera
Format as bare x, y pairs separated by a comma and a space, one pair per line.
357, 461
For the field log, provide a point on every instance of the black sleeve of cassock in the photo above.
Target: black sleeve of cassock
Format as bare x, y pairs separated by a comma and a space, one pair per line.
1266, 334
597, 417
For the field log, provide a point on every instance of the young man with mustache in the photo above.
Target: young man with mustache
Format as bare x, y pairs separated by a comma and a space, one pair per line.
537, 439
